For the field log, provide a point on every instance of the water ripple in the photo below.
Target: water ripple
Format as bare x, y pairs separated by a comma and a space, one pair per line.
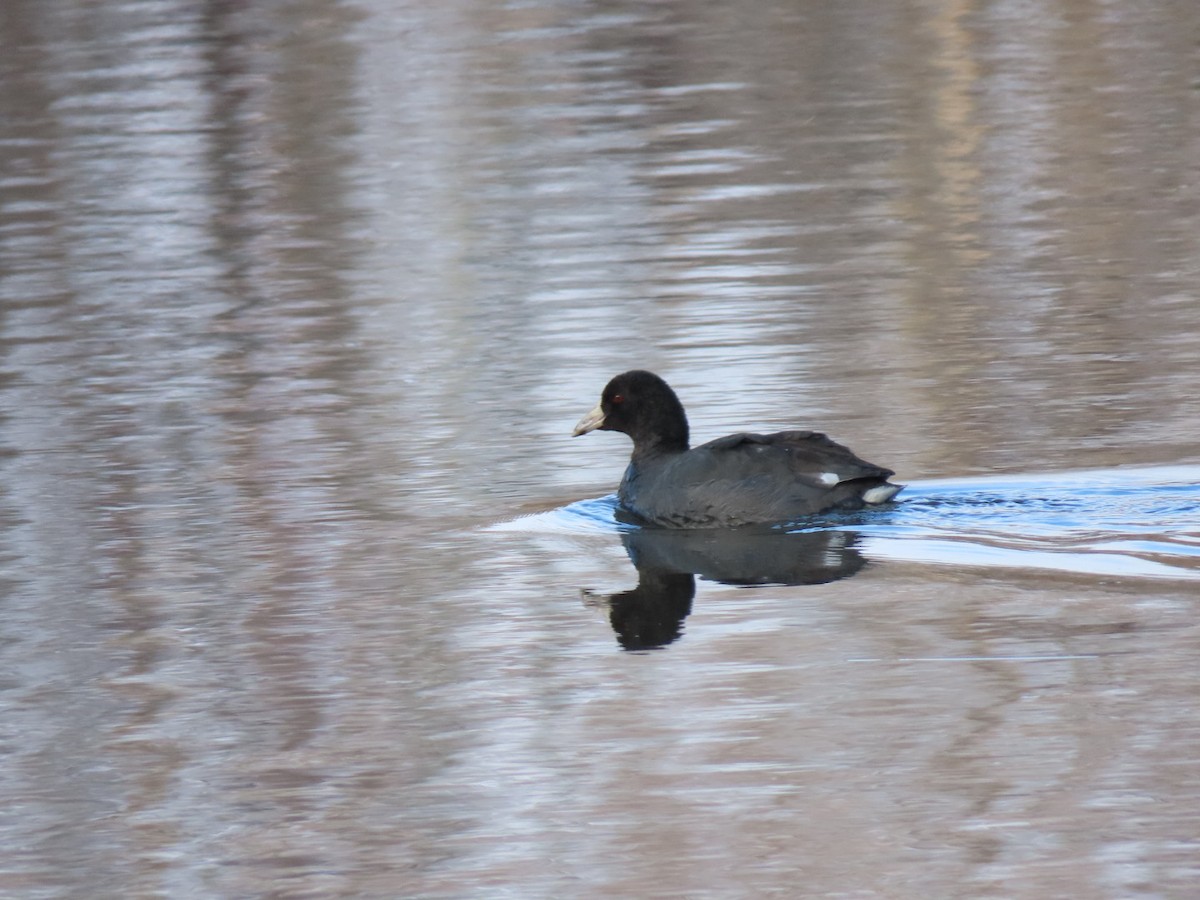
1129, 522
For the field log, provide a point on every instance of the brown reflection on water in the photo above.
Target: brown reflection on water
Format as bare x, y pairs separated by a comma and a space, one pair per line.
1064, 162
293, 297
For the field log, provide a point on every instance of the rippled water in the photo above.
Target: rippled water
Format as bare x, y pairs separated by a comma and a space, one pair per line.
1123, 523
1057, 521
307, 591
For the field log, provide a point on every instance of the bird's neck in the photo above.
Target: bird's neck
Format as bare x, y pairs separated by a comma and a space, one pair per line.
661, 445
669, 441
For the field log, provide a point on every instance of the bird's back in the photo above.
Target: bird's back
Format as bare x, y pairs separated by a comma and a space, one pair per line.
750, 478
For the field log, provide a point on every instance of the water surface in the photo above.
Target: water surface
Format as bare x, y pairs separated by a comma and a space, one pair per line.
307, 591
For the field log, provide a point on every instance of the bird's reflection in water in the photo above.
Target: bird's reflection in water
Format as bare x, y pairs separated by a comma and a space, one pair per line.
651, 614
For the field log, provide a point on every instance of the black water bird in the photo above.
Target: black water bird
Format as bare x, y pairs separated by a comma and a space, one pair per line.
741, 479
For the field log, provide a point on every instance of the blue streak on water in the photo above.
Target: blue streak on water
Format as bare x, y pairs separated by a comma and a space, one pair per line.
1128, 522
1113, 522
596, 515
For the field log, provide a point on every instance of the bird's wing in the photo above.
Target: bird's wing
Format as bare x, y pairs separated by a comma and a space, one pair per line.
808, 455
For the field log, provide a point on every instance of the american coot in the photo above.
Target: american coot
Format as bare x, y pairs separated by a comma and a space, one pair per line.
741, 479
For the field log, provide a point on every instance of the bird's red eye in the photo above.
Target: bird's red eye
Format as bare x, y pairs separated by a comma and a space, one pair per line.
617, 399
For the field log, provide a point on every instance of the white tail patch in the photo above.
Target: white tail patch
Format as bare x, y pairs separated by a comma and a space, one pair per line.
881, 493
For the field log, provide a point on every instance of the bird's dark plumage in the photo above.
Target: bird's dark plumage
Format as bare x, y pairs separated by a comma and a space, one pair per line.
740, 479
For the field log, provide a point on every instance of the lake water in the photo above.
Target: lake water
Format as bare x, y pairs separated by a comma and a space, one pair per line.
307, 591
